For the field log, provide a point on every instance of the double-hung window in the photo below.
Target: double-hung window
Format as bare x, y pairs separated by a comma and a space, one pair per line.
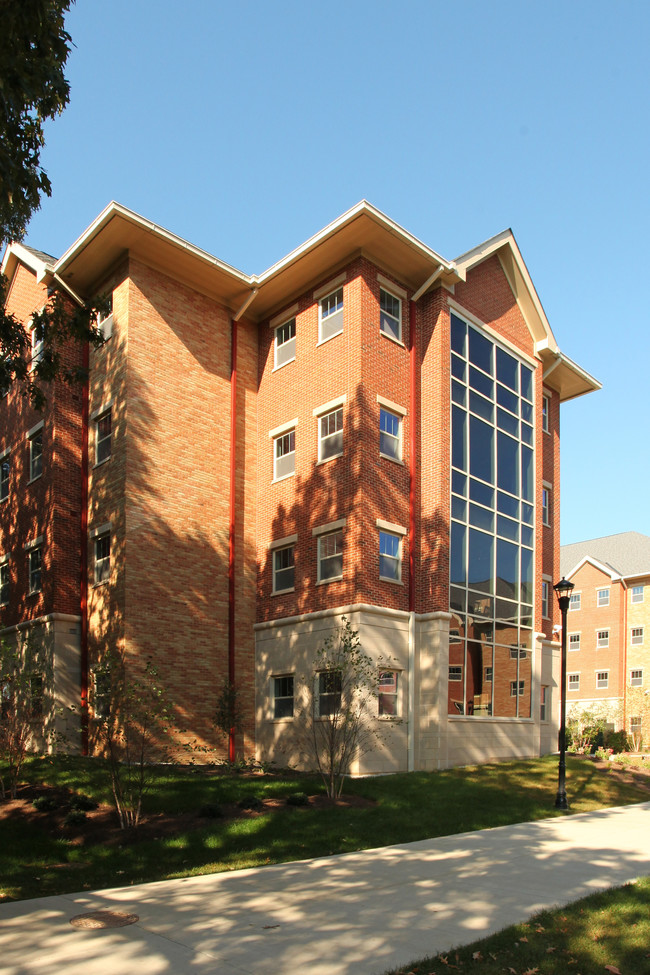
330, 315
330, 556
636, 678
35, 558
36, 453
545, 592
38, 344
574, 682
390, 434
637, 636
103, 433
574, 641
330, 435
637, 594
390, 556
283, 696
329, 688
546, 506
543, 703
602, 679
602, 597
387, 694
546, 406
517, 688
602, 639
105, 319
4, 477
284, 455
4, 582
102, 557
102, 693
284, 568
390, 315
574, 601
285, 343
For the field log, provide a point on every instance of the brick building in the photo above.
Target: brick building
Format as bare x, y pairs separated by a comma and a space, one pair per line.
366, 429
608, 628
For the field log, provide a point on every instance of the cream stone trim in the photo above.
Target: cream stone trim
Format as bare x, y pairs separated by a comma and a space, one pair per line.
100, 530
34, 543
388, 285
5, 453
332, 526
332, 405
457, 307
397, 614
34, 430
284, 316
282, 542
390, 527
4, 559
283, 428
393, 407
104, 408
331, 286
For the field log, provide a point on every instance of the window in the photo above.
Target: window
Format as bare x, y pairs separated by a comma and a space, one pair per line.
546, 406
36, 455
637, 594
390, 315
4, 584
602, 679
330, 435
285, 343
35, 569
36, 696
102, 694
105, 319
574, 682
329, 692
284, 455
545, 592
388, 704
390, 557
284, 569
102, 558
390, 434
574, 602
543, 703
636, 678
637, 636
602, 639
546, 506
488, 674
517, 688
330, 315
38, 345
330, 556
635, 725
4, 478
455, 673
283, 697
602, 597
103, 437
574, 641
517, 653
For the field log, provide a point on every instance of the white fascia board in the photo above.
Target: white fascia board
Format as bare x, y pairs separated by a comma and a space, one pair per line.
362, 207
25, 256
607, 570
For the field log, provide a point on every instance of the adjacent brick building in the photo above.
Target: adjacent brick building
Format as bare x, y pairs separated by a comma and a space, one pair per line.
608, 628
365, 430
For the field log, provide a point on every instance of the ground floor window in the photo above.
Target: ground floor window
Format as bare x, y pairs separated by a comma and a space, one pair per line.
388, 683
283, 697
329, 685
489, 676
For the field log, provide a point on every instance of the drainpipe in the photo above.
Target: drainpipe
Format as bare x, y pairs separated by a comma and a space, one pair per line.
412, 480
233, 504
83, 592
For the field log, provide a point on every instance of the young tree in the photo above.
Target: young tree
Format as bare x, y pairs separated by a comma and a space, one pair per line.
336, 725
135, 725
25, 677
638, 710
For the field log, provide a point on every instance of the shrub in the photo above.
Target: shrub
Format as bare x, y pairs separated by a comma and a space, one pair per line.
251, 802
75, 818
210, 810
617, 741
297, 799
84, 803
45, 803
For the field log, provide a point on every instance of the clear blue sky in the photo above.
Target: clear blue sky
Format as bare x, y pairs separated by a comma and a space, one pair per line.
246, 127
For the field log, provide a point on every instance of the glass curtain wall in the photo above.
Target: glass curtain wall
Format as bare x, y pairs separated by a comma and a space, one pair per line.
492, 528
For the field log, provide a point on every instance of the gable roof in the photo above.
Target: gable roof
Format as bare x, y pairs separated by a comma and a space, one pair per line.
626, 554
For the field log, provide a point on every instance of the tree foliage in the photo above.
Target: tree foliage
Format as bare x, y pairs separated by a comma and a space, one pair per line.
34, 48
25, 681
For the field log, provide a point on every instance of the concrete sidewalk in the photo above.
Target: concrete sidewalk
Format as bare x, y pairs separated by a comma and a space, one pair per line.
361, 913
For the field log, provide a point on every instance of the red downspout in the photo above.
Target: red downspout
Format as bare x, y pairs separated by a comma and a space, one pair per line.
231, 539
412, 452
83, 593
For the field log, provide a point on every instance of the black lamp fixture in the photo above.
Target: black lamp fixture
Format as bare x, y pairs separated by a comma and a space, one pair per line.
563, 591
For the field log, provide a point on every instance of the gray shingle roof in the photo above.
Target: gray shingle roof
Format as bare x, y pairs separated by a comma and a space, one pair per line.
40, 255
627, 554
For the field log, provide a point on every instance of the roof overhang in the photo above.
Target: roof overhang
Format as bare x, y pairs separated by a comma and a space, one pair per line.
16, 253
601, 566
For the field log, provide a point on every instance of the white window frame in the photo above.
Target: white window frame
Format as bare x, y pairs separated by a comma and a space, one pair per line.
387, 318
576, 642
573, 679
602, 601
37, 345
602, 639
102, 558
455, 675
283, 358
284, 450
102, 438
517, 688
332, 529
35, 436
602, 680
546, 411
5, 581
546, 597
575, 601
278, 549
35, 567
275, 684
388, 437
388, 691
636, 677
389, 538
637, 591
334, 417
328, 318
546, 504
105, 320
5, 475
543, 702
636, 636
320, 693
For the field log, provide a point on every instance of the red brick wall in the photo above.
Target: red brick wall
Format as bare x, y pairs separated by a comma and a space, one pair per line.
587, 620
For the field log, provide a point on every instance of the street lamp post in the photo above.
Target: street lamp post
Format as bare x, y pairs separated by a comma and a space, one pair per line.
563, 590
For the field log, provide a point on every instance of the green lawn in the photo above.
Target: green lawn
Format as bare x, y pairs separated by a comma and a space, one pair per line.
406, 807
609, 929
